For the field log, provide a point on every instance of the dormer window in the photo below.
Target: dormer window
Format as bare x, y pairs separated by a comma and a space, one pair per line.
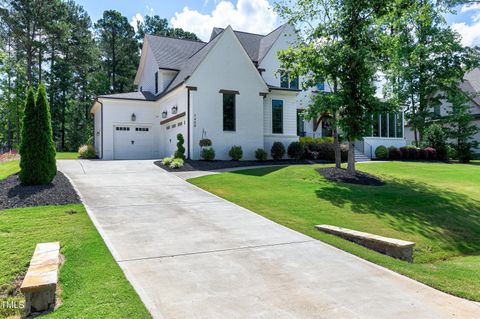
156, 82
321, 84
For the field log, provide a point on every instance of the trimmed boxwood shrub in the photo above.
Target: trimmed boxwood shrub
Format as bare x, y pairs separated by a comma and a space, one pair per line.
261, 154
295, 150
208, 154
277, 151
37, 151
381, 152
235, 153
394, 153
180, 152
87, 151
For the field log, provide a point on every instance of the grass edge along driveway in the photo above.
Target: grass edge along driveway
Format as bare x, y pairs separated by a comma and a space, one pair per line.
435, 205
92, 284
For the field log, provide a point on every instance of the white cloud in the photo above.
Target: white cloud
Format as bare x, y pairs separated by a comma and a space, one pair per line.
136, 18
470, 32
470, 7
247, 15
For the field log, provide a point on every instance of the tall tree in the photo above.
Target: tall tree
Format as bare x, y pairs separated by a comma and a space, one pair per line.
346, 34
118, 49
159, 26
425, 58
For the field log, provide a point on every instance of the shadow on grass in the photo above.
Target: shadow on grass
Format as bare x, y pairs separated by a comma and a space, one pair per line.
450, 219
259, 171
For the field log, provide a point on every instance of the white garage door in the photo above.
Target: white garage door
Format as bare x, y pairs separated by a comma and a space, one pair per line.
132, 142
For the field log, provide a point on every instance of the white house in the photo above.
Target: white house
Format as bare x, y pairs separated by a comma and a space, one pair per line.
471, 85
229, 90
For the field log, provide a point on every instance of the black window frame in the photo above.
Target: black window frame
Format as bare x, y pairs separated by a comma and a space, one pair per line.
229, 124
156, 82
277, 129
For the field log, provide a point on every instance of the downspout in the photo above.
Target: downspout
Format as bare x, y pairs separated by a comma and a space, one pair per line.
101, 131
188, 123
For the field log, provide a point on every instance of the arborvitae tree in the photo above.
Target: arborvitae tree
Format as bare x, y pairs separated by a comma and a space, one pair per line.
180, 152
29, 166
45, 147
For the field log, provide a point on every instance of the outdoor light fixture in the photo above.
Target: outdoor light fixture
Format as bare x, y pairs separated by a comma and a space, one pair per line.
174, 109
164, 114
134, 117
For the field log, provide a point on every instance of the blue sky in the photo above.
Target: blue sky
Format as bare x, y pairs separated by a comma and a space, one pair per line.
200, 16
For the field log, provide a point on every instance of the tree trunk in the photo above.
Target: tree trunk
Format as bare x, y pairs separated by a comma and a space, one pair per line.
351, 157
336, 146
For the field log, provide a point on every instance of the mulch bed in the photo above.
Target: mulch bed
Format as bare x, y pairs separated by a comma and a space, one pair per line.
191, 165
341, 175
15, 195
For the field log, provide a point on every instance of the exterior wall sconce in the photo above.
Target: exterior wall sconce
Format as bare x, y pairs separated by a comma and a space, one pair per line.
174, 109
134, 117
164, 114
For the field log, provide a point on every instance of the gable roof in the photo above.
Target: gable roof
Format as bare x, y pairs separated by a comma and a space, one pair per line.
171, 53
140, 96
256, 45
471, 84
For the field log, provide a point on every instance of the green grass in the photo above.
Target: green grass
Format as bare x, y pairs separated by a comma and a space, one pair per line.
92, 284
435, 205
12, 167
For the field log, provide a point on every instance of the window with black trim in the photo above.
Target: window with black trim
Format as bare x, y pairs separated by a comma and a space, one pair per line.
228, 112
156, 82
288, 82
277, 116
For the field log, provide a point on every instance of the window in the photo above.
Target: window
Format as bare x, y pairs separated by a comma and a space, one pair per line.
321, 84
277, 116
228, 112
436, 110
141, 129
294, 83
383, 125
376, 125
156, 82
300, 124
122, 128
288, 82
399, 124
391, 125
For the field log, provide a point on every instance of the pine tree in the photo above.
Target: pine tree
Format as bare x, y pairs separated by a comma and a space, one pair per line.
45, 148
29, 166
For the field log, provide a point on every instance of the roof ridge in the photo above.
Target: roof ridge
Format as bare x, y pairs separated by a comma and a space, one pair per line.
275, 29
164, 36
242, 31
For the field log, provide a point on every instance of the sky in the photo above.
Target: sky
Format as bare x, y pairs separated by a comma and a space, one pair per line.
257, 16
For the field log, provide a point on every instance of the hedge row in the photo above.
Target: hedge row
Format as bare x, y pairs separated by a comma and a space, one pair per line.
406, 153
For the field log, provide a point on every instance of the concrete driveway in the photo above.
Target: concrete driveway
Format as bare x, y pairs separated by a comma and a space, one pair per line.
190, 254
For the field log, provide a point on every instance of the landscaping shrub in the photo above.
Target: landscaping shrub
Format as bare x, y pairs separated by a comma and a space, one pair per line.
87, 151
435, 138
452, 152
235, 153
180, 152
343, 152
381, 152
37, 163
413, 152
394, 153
430, 154
326, 152
205, 142
208, 154
318, 140
295, 150
277, 151
261, 154
311, 150
404, 153
176, 163
167, 160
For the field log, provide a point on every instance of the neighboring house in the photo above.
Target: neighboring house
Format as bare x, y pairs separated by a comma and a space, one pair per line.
470, 85
230, 90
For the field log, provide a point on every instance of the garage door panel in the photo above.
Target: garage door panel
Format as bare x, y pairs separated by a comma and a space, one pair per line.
133, 142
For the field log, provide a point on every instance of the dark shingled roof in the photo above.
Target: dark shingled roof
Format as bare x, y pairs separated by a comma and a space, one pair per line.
171, 53
140, 96
256, 45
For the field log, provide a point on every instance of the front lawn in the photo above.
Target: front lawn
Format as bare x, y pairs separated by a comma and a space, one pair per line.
12, 167
92, 284
435, 205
